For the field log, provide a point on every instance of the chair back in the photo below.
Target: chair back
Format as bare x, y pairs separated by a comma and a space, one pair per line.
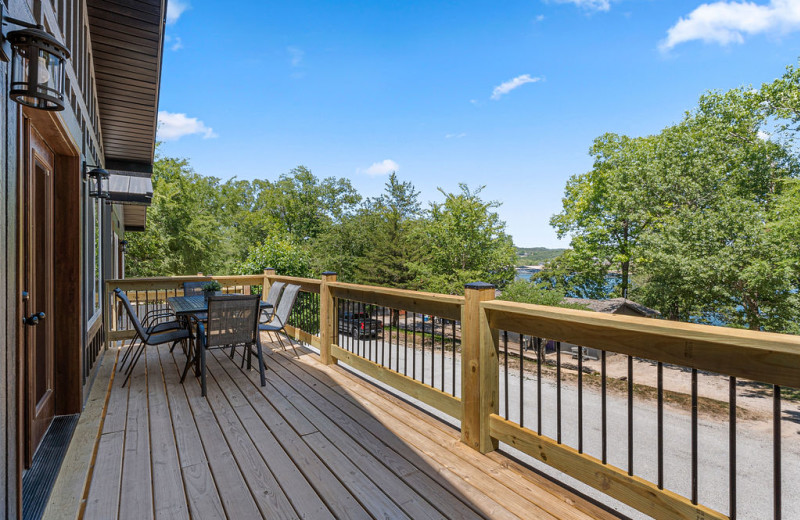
232, 319
193, 288
287, 302
137, 325
274, 292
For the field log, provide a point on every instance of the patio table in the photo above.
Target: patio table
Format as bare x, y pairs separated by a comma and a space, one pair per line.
186, 306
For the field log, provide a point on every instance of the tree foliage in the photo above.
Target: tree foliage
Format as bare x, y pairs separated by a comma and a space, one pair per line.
697, 220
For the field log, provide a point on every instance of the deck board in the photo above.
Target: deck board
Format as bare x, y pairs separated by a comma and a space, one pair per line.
316, 442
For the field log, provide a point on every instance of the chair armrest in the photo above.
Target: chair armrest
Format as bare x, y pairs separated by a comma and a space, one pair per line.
153, 315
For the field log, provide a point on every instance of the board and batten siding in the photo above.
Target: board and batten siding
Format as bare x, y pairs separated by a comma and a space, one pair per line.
68, 21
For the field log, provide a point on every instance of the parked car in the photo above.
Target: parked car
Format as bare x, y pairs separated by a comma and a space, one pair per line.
359, 324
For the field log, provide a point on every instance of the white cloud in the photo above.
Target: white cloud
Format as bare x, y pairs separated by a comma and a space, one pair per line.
176, 43
506, 87
455, 136
175, 8
384, 167
172, 127
295, 56
729, 22
589, 5
764, 136
540, 18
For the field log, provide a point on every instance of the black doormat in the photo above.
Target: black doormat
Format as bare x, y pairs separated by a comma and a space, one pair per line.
38, 481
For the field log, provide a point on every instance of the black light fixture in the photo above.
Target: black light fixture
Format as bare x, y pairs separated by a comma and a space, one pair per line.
99, 179
123, 245
37, 65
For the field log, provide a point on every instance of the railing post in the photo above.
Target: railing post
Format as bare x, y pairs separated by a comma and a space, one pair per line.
269, 271
479, 377
327, 319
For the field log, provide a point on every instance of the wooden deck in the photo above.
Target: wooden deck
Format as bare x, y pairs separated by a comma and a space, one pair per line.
316, 442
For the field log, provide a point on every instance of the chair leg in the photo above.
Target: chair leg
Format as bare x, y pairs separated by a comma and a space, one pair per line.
127, 352
189, 361
291, 343
134, 360
203, 371
261, 367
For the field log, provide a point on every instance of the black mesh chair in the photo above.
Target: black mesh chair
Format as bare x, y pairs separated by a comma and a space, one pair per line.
272, 300
232, 320
195, 289
281, 315
150, 335
154, 321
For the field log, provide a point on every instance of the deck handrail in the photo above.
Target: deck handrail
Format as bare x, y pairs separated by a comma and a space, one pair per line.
759, 356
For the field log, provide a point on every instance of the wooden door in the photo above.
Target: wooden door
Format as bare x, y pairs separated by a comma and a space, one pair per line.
36, 247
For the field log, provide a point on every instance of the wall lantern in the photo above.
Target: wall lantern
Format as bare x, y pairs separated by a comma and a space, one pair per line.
123, 246
99, 179
37, 65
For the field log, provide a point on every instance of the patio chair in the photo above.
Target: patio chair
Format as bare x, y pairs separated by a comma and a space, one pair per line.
281, 315
153, 335
154, 321
232, 320
195, 289
272, 299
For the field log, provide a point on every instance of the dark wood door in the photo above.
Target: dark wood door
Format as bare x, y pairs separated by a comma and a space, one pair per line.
37, 285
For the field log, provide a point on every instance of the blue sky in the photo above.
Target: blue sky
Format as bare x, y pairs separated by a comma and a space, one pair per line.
504, 94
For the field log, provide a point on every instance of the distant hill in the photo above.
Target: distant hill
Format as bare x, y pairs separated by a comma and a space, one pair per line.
536, 255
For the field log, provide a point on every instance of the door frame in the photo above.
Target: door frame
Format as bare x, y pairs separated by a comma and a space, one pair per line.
67, 317
37, 154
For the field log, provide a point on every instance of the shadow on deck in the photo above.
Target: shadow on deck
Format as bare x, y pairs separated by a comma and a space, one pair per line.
316, 442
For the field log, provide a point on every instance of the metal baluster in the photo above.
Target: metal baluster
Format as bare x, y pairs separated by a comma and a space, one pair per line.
694, 436
521, 383
539, 356
442, 355
580, 399
453, 361
558, 392
660, 411
630, 415
776, 450
405, 343
433, 351
732, 447
383, 339
603, 411
505, 369
423, 349
414, 348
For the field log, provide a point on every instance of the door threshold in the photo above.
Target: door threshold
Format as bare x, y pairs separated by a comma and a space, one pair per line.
38, 480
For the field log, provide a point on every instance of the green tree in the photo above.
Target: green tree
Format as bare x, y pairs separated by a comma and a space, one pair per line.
467, 242
281, 254
304, 205
606, 210
393, 221
183, 225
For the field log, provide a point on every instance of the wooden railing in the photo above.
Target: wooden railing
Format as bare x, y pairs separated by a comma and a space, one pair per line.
453, 353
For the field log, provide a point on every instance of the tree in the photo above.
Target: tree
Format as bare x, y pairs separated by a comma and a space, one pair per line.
184, 233
606, 210
393, 221
306, 206
467, 242
281, 254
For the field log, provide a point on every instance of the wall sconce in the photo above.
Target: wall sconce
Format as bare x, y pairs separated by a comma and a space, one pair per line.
99, 182
37, 65
123, 246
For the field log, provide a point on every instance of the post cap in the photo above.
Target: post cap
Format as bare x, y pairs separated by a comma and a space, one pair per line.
269, 268
328, 273
479, 285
